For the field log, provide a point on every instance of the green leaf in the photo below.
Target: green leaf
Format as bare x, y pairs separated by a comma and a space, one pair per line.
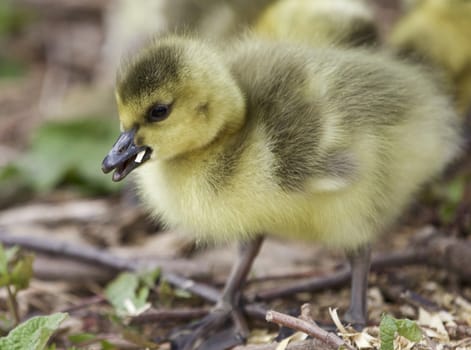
148, 278
10, 68
126, 295
166, 293
389, 326
6, 257
3, 262
455, 190
449, 196
13, 17
8, 172
387, 331
70, 152
32, 334
409, 329
82, 337
141, 297
14, 186
105, 345
22, 272
11, 253
447, 212
182, 293
120, 289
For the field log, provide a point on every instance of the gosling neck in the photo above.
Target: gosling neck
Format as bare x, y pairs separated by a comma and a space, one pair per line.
228, 134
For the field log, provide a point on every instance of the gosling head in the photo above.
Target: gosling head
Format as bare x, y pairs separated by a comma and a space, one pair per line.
174, 97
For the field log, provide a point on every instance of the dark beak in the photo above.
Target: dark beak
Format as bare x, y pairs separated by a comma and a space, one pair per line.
125, 156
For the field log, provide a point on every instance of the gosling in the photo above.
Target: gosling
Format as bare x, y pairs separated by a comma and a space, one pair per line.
322, 145
437, 33
345, 23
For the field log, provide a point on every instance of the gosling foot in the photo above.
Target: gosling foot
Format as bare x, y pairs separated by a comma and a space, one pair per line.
211, 333
223, 328
356, 318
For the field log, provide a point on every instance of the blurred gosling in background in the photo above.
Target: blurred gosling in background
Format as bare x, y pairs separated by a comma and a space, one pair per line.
438, 33
346, 23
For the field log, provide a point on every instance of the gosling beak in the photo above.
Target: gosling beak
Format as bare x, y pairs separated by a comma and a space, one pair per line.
125, 156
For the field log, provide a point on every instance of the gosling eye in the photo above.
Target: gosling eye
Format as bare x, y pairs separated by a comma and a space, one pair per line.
158, 113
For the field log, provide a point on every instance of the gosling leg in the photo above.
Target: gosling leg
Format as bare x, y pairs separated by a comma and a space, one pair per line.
360, 266
248, 251
227, 307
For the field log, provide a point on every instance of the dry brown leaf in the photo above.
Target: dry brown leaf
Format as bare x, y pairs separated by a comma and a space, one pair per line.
433, 325
260, 336
401, 343
298, 336
335, 317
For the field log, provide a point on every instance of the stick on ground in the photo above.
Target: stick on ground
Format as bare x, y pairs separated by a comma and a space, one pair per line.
310, 328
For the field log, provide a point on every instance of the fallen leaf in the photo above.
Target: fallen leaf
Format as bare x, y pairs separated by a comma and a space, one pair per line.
298, 336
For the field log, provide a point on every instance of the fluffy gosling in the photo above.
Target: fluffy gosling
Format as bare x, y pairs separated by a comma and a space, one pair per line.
322, 145
344, 23
214, 19
437, 33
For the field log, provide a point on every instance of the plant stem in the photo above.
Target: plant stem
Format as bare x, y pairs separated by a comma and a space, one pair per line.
12, 305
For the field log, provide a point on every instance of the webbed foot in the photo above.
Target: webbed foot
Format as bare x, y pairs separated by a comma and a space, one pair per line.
223, 328
214, 331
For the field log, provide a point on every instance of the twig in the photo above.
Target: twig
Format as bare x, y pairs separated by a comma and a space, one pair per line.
78, 211
95, 300
116, 340
49, 268
204, 291
311, 344
334, 280
294, 275
75, 252
255, 311
342, 277
309, 328
460, 331
95, 256
435, 249
306, 313
414, 299
154, 315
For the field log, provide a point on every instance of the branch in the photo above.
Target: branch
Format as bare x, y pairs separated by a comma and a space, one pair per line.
334, 280
311, 344
434, 249
81, 253
308, 327
342, 277
104, 259
154, 315
87, 302
63, 269
93, 256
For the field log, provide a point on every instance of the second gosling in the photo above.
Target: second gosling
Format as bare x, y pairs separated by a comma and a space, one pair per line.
323, 145
345, 23
438, 33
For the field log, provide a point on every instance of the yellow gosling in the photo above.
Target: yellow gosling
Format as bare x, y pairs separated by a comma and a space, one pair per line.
322, 145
